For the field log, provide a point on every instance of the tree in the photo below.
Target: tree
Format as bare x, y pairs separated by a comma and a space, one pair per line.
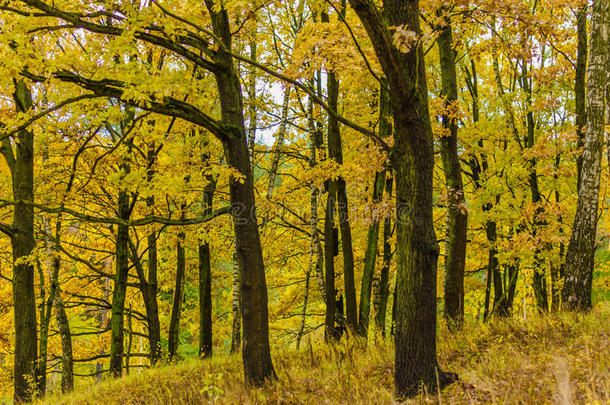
457, 216
580, 256
412, 158
20, 161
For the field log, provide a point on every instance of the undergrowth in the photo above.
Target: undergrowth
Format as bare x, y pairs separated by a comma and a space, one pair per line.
548, 359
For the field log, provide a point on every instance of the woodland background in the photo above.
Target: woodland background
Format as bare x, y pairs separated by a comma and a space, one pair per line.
97, 158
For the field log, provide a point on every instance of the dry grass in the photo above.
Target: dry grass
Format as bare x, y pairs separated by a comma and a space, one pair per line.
556, 359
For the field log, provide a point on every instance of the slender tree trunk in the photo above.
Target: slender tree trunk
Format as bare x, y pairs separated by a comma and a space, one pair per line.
252, 108
205, 282
580, 83
369, 260
46, 308
305, 299
373, 233
150, 285
235, 306
330, 332
174, 323
478, 169
580, 257
279, 143
315, 143
258, 366
335, 152
120, 287
61, 318
457, 218
384, 277
539, 279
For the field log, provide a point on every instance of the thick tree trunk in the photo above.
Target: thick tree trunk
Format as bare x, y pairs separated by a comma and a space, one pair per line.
457, 218
174, 323
412, 159
120, 288
205, 282
22, 242
258, 367
370, 256
580, 257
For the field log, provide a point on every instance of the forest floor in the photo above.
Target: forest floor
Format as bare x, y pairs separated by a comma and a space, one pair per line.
562, 358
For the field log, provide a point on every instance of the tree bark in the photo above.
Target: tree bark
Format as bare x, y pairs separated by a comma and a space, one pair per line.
412, 159
235, 306
315, 143
580, 84
370, 256
335, 152
21, 164
580, 256
457, 217
120, 287
150, 286
330, 332
384, 277
279, 143
205, 282
174, 323
258, 366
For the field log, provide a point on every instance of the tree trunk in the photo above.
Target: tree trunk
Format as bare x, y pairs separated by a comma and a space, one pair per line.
315, 143
22, 242
150, 285
258, 366
335, 152
330, 332
67, 360
457, 218
235, 306
580, 257
539, 279
412, 159
373, 233
252, 108
384, 277
305, 299
369, 260
174, 323
478, 169
580, 83
205, 282
279, 143
120, 287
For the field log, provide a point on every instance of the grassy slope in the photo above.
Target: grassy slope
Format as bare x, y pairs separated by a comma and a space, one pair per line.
539, 361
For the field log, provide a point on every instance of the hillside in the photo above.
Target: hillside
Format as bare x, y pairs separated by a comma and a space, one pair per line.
553, 359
